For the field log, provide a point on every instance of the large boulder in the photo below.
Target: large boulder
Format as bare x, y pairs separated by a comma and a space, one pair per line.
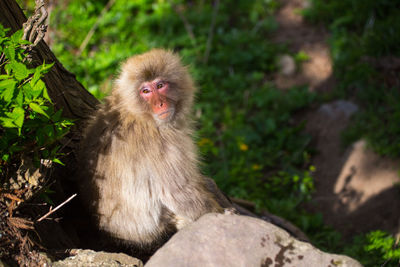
234, 240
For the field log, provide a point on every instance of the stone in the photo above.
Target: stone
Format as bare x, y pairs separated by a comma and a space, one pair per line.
287, 65
234, 240
90, 258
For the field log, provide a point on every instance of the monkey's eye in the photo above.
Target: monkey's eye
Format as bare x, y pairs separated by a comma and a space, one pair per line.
160, 85
145, 91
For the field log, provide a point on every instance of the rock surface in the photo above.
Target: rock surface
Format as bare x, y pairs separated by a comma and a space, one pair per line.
90, 258
233, 240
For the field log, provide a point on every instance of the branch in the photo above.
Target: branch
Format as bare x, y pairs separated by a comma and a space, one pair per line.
59, 206
211, 32
186, 24
94, 27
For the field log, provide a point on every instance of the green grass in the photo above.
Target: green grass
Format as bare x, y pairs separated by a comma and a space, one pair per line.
245, 134
245, 130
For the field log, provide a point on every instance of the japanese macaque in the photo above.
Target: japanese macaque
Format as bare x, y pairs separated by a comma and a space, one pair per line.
140, 173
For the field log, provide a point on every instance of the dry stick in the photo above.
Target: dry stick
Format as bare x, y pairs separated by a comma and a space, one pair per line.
59, 206
211, 32
94, 27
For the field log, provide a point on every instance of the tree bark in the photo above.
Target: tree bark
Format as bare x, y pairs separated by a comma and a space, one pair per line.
63, 88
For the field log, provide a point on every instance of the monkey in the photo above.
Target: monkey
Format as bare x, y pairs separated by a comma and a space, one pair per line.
140, 167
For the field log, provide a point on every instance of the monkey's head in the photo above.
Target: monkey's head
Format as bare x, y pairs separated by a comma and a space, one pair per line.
155, 84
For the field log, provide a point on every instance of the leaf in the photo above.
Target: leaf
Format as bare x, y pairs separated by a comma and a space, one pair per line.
7, 83
7, 87
49, 131
21, 72
56, 116
38, 88
18, 116
7, 68
7, 122
35, 77
16, 37
46, 95
10, 52
46, 198
56, 160
46, 67
5, 157
39, 136
54, 150
35, 107
30, 71
20, 98
27, 90
24, 42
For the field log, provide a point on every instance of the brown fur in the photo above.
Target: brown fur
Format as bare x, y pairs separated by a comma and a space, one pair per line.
141, 176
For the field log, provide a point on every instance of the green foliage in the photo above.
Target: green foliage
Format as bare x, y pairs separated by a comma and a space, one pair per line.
249, 144
300, 57
363, 31
245, 132
376, 248
28, 122
385, 244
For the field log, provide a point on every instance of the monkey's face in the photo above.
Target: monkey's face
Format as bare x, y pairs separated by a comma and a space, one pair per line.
160, 98
155, 84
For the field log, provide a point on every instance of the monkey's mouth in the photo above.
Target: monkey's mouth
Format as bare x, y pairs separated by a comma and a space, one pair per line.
165, 115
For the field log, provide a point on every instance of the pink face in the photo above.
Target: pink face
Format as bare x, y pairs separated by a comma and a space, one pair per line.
155, 94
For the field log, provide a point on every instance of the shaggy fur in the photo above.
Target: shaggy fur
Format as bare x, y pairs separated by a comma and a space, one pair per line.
141, 176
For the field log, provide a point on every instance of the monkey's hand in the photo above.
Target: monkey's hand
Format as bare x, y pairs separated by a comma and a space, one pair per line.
230, 211
181, 222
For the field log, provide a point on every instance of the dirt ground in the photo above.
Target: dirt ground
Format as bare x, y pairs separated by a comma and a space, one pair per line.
356, 189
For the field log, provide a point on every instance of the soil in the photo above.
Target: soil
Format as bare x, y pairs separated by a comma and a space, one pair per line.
356, 189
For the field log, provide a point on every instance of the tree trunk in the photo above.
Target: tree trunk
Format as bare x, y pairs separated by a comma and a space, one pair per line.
76, 102
63, 88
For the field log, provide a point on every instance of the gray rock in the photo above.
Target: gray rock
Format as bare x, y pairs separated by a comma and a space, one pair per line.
337, 108
287, 65
90, 258
233, 240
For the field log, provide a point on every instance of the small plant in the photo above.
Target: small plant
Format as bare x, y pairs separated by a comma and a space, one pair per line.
384, 244
301, 57
29, 125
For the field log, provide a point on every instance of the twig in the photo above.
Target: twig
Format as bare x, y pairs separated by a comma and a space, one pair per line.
257, 26
20, 223
186, 24
211, 31
59, 206
94, 27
